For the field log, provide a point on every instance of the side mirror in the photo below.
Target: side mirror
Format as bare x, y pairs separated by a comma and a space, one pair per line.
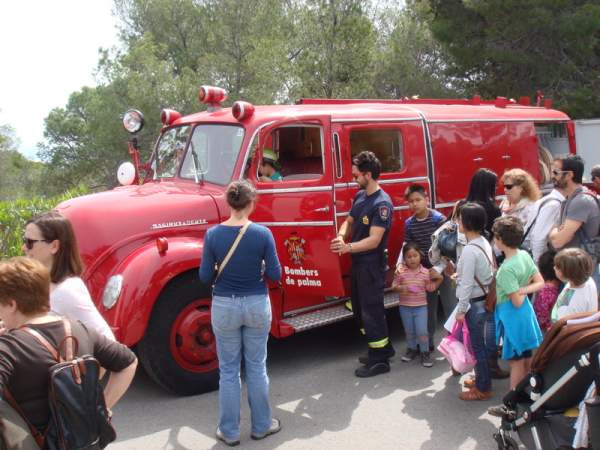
126, 174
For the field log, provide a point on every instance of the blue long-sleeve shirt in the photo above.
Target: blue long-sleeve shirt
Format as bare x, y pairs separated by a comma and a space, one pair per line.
243, 273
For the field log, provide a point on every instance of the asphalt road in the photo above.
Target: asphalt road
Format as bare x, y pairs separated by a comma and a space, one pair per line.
321, 403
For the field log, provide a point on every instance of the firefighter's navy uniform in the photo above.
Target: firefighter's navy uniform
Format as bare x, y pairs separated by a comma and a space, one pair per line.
368, 272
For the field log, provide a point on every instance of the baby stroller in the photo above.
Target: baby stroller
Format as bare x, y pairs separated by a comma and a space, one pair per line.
562, 371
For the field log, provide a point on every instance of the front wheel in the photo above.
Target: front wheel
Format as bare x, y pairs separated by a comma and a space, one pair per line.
179, 350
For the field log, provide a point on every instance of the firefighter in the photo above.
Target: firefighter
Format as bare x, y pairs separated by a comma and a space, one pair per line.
368, 224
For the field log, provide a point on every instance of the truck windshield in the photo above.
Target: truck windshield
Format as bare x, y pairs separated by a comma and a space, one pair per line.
170, 152
212, 153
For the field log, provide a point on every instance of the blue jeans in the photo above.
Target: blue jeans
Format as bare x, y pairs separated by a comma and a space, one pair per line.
476, 318
414, 321
241, 325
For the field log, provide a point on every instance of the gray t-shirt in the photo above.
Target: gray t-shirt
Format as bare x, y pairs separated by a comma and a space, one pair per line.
582, 208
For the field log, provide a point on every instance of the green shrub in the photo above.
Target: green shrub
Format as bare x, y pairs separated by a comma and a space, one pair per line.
15, 213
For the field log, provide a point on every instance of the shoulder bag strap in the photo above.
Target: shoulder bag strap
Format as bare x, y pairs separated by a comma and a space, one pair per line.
485, 291
40, 438
232, 249
542, 204
42, 340
493, 264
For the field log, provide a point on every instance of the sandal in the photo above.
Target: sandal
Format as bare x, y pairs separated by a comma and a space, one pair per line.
475, 394
469, 382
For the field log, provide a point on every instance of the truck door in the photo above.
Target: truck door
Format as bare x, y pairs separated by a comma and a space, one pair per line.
400, 147
299, 208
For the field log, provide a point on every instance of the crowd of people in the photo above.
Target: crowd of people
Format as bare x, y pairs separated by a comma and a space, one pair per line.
506, 273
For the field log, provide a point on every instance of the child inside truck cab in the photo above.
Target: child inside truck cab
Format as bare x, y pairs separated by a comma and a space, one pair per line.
269, 166
419, 228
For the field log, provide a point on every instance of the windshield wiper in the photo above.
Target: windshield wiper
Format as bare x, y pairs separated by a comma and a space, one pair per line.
196, 166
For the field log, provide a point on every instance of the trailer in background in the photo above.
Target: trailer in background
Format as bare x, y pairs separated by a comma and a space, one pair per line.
587, 139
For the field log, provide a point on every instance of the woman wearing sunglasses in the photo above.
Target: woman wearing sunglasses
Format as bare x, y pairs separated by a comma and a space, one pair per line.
49, 238
521, 191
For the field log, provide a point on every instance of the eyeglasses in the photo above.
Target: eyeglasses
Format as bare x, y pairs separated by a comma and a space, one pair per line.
559, 172
29, 243
508, 187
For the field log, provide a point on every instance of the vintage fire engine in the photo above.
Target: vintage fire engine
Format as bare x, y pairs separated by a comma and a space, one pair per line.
142, 242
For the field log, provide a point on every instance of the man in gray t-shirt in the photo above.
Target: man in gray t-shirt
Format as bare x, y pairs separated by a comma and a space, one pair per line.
580, 210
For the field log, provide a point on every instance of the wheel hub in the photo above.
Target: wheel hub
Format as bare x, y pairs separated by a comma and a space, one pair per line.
192, 340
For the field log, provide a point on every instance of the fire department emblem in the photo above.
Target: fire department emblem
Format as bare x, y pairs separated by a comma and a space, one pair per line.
295, 248
365, 220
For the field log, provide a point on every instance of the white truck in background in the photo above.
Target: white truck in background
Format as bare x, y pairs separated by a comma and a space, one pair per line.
587, 139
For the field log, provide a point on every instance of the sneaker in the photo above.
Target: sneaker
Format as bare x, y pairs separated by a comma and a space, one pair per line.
475, 394
426, 360
229, 442
390, 353
274, 428
372, 370
411, 353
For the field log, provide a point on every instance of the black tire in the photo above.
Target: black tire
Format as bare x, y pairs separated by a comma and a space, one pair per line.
158, 353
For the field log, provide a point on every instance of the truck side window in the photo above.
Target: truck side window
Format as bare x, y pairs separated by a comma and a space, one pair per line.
386, 143
299, 151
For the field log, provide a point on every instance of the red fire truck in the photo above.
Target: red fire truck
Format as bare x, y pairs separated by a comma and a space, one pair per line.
142, 242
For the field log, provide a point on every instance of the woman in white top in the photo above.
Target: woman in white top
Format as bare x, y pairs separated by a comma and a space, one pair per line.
49, 238
522, 192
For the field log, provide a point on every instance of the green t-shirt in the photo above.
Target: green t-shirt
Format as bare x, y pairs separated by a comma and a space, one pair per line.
514, 273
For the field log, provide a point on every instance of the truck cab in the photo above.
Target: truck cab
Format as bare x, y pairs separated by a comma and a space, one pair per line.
142, 242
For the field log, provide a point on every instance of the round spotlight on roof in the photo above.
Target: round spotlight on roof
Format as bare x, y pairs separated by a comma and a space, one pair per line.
168, 116
212, 95
242, 110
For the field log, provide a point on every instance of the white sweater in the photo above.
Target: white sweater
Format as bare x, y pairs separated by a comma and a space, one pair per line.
70, 298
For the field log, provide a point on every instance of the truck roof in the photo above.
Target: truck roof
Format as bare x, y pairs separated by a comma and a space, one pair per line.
369, 110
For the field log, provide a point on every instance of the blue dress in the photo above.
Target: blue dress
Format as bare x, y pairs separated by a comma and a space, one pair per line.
518, 327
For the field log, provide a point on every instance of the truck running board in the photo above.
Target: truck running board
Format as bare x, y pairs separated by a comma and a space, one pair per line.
326, 316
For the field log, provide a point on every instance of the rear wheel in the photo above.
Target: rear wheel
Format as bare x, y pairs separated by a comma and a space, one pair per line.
179, 350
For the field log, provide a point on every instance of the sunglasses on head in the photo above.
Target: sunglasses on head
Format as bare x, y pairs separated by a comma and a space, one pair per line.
29, 243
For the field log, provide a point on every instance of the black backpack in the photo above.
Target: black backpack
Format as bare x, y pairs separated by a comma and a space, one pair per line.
79, 418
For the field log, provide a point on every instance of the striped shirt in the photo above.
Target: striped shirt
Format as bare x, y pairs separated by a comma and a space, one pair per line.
416, 281
421, 230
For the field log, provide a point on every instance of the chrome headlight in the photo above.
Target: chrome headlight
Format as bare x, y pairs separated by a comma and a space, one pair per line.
112, 291
133, 121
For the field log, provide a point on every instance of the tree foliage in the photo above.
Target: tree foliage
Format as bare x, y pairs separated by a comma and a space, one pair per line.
275, 51
20, 177
516, 47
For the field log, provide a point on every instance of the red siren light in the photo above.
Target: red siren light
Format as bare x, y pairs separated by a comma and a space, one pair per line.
212, 95
242, 110
168, 116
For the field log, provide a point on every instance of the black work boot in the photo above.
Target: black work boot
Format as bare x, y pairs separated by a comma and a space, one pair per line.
387, 352
371, 370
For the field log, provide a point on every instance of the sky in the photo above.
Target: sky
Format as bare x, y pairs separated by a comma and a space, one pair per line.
49, 49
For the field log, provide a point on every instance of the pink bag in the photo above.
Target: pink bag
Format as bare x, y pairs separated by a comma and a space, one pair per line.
459, 354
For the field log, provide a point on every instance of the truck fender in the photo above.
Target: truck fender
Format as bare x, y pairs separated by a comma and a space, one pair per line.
145, 273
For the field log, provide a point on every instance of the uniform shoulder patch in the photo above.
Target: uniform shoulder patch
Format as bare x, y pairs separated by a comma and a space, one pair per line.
384, 212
